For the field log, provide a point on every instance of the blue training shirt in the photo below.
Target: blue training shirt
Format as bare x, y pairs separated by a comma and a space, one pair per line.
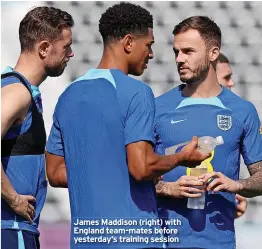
25, 172
178, 119
95, 118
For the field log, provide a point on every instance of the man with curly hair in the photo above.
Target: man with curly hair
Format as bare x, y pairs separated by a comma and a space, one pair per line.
104, 118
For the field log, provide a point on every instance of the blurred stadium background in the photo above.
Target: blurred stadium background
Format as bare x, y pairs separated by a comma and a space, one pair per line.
241, 26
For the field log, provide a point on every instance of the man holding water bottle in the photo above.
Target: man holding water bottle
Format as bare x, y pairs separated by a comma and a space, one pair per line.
205, 108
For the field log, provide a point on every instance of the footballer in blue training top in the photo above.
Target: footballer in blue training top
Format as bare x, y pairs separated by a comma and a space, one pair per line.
203, 107
93, 141
226, 115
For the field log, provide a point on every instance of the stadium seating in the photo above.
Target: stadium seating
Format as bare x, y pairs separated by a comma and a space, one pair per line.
241, 36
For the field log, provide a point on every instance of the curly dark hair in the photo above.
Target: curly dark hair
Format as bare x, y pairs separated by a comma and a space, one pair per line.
42, 23
206, 27
122, 19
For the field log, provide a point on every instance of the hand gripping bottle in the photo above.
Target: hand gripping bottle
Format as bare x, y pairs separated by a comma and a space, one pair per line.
205, 144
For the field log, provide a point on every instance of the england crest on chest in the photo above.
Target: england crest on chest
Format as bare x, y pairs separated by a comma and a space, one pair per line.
224, 122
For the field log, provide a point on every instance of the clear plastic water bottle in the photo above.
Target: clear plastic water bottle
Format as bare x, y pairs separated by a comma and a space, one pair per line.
205, 144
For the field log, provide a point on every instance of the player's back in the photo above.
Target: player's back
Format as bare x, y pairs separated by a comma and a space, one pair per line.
137, 108
89, 119
96, 118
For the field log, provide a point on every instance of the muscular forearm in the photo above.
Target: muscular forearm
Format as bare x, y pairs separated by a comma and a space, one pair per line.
185, 186
20, 204
162, 188
252, 186
152, 166
144, 164
159, 165
8, 193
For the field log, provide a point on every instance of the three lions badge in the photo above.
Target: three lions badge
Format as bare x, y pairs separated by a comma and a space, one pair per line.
224, 122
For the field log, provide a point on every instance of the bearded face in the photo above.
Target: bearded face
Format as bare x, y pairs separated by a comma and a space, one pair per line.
191, 56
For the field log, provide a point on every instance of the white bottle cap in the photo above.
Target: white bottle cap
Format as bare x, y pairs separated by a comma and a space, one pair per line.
220, 140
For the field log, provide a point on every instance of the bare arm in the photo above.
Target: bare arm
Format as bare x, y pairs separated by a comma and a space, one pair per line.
249, 187
185, 186
15, 101
56, 170
19, 203
163, 188
7, 191
144, 164
252, 186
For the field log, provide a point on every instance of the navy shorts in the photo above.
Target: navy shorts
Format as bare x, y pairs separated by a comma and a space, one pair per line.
19, 239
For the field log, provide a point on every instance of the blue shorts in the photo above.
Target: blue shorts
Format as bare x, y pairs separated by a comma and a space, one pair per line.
19, 239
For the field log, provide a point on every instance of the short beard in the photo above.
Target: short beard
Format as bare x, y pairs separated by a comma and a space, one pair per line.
199, 73
54, 71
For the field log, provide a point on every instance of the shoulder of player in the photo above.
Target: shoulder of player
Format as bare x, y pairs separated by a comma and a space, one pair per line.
135, 83
167, 97
234, 101
166, 102
74, 87
137, 87
77, 92
17, 95
15, 101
